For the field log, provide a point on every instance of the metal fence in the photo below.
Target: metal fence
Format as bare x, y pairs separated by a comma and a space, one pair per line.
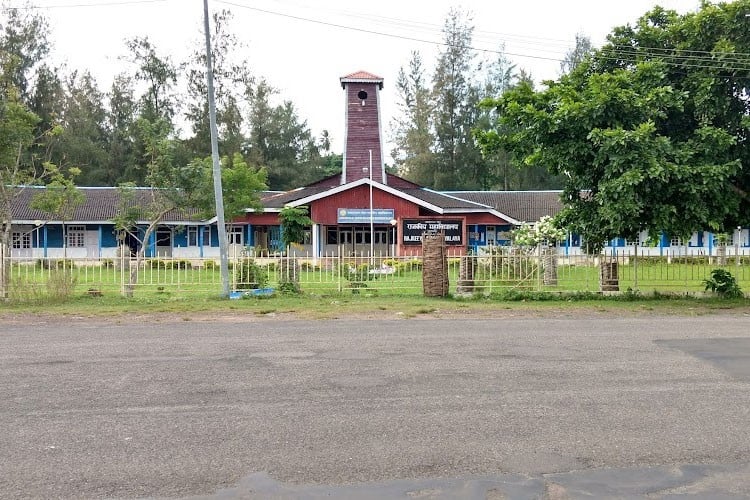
503, 269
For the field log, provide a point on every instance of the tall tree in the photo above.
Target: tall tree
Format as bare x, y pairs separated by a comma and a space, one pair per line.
651, 132
280, 141
17, 126
121, 165
159, 75
83, 141
231, 79
495, 170
173, 187
412, 127
575, 56
24, 38
156, 105
456, 99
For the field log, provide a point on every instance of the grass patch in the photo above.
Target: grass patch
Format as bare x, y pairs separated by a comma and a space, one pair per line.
344, 305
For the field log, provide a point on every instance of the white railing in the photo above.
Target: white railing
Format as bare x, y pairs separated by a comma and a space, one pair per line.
501, 270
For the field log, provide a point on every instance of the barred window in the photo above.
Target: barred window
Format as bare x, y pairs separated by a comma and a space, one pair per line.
675, 241
75, 236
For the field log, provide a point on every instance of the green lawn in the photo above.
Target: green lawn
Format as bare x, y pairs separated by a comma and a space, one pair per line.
32, 282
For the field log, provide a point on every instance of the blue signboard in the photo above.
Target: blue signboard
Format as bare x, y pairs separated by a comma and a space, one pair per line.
362, 215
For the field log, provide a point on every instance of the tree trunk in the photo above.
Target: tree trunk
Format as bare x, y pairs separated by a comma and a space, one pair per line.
140, 255
5, 262
289, 274
549, 263
608, 276
721, 254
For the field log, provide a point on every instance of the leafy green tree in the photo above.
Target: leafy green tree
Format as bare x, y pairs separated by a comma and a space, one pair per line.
121, 165
17, 126
623, 172
455, 100
575, 56
173, 187
241, 184
83, 141
280, 141
412, 128
704, 56
231, 79
23, 37
60, 198
294, 221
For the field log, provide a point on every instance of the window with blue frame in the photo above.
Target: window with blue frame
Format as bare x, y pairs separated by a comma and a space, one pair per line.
192, 236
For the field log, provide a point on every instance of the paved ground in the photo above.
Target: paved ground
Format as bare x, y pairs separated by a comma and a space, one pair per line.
653, 407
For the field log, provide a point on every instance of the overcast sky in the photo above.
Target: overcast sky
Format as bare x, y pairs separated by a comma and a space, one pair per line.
303, 47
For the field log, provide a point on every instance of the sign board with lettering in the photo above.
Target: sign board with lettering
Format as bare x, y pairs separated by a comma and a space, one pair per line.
362, 215
413, 228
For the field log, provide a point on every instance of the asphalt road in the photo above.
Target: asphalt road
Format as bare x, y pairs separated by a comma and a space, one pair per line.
653, 407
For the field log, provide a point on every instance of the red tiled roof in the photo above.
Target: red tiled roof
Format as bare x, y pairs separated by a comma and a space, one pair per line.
361, 75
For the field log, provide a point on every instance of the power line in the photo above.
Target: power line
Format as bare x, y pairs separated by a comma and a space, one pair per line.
674, 57
83, 5
380, 33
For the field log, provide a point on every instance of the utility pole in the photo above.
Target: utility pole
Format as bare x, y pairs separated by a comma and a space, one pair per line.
218, 192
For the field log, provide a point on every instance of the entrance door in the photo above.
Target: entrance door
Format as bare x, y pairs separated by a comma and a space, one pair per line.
163, 242
91, 242
236, 240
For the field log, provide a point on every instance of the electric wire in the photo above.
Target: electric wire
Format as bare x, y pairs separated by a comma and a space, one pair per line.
684, 58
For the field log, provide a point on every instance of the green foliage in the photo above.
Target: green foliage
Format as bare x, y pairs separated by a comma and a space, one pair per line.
248, 275
544, 231
357, 273
61, 283
723, 284
169, 264
280, 141
60, 197
645, 138
294, 221
241, 184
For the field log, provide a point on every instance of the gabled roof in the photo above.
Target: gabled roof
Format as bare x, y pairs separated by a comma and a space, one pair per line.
274, 201
360, 182
524, 206
440, 203
361, 77
100, 205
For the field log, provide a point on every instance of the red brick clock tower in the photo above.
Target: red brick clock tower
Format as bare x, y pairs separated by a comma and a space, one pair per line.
363, 146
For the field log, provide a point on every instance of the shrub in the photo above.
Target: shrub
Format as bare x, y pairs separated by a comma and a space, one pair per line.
723, 284
61, 284
248, 275
178, 264
309, 266
55, 263
156, 264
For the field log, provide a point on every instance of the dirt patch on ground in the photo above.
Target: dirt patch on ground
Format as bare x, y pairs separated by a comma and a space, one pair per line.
502, 311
